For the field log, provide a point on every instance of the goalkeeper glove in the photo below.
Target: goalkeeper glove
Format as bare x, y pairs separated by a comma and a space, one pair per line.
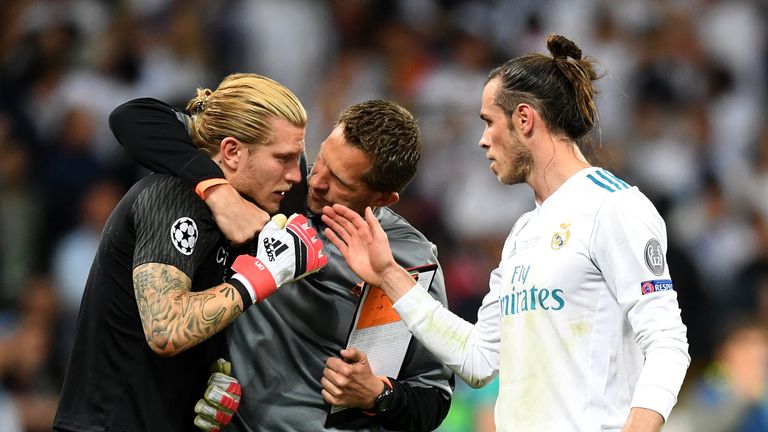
288, 250
221, 399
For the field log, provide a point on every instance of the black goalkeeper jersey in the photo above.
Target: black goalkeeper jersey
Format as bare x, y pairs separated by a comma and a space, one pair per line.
114, 381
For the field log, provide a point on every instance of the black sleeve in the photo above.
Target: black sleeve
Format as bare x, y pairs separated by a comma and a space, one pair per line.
154, 133
415, 408
172, 225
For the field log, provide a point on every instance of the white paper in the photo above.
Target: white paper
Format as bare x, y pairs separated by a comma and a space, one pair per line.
384, 344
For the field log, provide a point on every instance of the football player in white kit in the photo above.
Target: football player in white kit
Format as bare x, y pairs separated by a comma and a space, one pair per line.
581, 322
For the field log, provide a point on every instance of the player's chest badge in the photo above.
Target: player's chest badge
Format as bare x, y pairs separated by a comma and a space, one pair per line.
560, 237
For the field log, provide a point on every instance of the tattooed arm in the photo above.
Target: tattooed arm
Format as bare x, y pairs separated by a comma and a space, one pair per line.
175, 319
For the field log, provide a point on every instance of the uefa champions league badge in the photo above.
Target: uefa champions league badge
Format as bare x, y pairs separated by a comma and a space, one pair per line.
654, 257
560, 238
184, 235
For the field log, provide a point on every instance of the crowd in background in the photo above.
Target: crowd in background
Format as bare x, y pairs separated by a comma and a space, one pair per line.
683, 105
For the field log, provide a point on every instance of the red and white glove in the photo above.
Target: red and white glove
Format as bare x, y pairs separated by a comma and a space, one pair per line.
220, 401
288, 250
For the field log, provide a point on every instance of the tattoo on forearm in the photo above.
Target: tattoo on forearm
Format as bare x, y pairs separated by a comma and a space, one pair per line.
228, 291
175, 318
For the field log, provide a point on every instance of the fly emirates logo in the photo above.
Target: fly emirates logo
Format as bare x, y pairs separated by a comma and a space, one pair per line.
522, 299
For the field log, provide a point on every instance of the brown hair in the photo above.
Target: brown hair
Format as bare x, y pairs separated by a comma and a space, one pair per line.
241, 107
560, 87
389, 134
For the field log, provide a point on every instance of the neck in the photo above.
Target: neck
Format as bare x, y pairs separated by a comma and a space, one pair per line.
559, 161
218, 159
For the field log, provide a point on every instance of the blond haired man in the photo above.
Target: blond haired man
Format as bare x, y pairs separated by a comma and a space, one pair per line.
164, 282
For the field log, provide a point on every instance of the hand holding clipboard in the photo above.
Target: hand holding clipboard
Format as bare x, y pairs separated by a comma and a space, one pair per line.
377, 331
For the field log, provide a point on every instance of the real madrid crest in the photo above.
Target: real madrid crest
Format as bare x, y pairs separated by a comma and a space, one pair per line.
560, 238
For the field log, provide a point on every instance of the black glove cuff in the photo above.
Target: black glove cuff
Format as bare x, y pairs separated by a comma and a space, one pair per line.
245, 296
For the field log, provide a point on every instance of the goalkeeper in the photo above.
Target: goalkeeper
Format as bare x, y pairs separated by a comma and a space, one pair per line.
164, 281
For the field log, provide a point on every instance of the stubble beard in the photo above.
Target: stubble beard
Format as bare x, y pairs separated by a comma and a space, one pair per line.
522, 164
312, 206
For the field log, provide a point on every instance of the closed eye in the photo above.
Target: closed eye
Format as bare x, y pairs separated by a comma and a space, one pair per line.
288, 158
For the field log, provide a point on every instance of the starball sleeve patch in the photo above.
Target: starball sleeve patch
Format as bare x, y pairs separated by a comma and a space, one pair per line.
184, 235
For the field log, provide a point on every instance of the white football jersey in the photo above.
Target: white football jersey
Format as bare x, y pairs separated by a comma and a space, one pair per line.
581, 321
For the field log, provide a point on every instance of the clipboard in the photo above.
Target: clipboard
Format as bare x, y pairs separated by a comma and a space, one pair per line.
378, 331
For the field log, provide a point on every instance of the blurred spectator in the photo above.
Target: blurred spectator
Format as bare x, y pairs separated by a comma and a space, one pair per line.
176, 55
731, 396
20, 216
9, 414
73, 255
696, 306
751, 286
286, 39
449, 106
717, 238
472, 408
758, 178
69, 168
356, 75
610, 46
28, 371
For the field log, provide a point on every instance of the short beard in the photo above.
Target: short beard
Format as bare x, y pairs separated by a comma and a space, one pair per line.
522, 165
311, 210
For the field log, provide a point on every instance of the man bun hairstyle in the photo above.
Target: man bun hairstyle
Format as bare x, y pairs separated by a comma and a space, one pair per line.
559, 87
561, 48
580, 73
242, 107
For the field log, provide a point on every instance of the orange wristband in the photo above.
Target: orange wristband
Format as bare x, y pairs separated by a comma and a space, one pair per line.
205, 184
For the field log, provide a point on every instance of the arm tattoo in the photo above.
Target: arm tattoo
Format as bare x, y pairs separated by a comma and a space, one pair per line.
173, 318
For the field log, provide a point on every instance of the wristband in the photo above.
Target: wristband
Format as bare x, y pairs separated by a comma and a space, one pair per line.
255, 276
205, 184
241, 284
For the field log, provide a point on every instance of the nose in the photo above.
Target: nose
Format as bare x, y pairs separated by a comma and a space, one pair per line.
316, 179
293, 175
485, 142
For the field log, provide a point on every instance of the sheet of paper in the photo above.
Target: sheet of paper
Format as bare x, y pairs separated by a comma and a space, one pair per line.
378, 331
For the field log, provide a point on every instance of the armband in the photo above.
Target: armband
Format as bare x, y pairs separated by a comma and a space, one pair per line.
205, 184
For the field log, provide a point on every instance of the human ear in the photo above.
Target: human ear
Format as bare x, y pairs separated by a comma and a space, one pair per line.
230, 153
385, 199
524, 118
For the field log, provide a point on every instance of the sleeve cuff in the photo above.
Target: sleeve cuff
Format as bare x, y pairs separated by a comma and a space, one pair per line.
205, 184
654, 398
248, 288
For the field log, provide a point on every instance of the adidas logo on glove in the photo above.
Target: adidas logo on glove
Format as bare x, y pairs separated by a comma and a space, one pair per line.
273, 248
289, 249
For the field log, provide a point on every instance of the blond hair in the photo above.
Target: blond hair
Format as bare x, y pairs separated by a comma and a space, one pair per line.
241, 107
